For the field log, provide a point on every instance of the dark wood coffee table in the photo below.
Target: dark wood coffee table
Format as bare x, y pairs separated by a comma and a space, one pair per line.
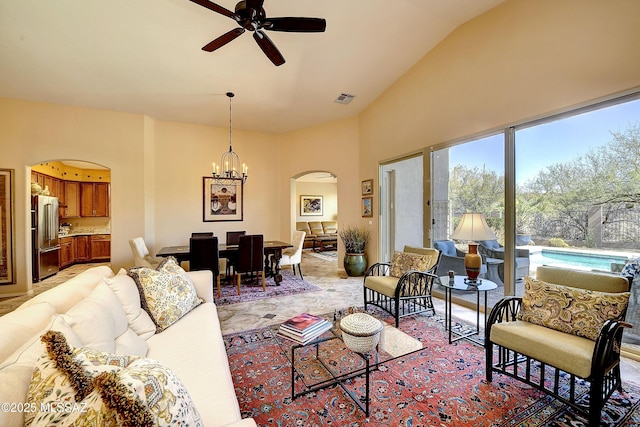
320, 244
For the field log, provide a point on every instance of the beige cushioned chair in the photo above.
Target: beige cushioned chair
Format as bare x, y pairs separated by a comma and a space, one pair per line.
141, 256
405, 295
293, 256
509, 337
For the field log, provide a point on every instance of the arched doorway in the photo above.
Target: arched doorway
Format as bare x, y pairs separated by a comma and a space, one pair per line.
315, 203
70, 215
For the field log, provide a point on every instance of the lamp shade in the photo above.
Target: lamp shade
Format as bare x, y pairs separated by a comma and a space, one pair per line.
473, 226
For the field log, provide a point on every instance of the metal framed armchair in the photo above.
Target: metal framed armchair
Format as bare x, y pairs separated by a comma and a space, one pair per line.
516, 344
402, 292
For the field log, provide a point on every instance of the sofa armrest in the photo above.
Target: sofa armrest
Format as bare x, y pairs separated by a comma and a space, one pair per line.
203, 282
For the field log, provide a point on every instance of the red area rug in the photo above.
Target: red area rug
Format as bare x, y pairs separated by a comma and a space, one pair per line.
252, 290
440, 385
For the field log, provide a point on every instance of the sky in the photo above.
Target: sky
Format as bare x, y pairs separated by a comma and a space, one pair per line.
540, 146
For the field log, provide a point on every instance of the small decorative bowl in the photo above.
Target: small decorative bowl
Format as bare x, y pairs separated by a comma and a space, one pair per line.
361, 332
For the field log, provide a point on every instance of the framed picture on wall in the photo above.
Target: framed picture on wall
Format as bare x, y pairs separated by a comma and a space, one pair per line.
310, 205
367, 206
367, 187
7, 244
222, 201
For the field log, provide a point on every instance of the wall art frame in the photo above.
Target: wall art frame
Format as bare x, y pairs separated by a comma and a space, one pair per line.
367, 207
7, 227
367, 187
310, 205
222, 200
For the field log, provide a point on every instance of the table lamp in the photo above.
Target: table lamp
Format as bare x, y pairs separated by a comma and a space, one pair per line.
473, 227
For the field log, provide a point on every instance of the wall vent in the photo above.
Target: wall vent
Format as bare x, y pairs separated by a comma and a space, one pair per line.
344, 98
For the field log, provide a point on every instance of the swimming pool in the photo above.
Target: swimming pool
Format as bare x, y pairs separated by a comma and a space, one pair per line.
586, 260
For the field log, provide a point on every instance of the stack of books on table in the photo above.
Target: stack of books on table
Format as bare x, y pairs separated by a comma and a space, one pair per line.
304, 328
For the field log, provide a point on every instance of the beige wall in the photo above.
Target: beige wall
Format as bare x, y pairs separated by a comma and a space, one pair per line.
329, 193
183, 156
331, 147
520, 60
32, 133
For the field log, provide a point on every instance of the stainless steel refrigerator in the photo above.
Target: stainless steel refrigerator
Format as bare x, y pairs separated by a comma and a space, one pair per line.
44, 234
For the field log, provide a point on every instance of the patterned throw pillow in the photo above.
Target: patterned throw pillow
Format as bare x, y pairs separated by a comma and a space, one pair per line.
92, 388
403, 262
166, 293
572, 310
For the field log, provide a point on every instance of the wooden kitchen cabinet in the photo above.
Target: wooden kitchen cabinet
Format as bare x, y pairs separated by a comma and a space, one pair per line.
71, 201
83, 250
100, 247
94, 199
67, 251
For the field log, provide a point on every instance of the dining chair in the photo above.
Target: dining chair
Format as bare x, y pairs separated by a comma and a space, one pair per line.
293, 256
250, 257
204, 255
232, 239
141, 256
202, 234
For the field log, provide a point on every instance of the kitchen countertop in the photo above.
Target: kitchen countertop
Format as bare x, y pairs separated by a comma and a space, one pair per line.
83, 233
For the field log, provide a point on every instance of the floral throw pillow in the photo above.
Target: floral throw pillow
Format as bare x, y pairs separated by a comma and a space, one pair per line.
91, 388
166, 293
403, 262
576, 311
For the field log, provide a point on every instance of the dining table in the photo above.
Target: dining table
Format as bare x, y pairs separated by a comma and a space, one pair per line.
271, 247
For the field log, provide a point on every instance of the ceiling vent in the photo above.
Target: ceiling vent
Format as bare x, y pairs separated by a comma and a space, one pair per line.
344, 98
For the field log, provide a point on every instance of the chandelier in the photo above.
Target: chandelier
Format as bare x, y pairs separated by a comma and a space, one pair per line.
230, 162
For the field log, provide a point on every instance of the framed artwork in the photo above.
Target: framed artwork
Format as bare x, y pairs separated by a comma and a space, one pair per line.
367, 206
367, 187
310, 205
7, 243
222, 200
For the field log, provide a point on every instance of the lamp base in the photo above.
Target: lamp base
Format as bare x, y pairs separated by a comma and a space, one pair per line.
472, 262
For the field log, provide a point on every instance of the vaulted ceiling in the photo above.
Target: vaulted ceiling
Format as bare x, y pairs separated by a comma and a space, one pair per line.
145, 57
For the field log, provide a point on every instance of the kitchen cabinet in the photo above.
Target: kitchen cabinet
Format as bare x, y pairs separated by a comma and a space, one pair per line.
68, 250
94, 199
71, 201
83, 251
100, 247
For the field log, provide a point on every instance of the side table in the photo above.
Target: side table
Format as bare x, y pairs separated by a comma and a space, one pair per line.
493, 270
458, 284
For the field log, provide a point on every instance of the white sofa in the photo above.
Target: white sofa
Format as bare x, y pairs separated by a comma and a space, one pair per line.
97, 309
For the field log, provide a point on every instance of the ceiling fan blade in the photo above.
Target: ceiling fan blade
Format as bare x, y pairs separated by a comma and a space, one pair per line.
298, 25
268, 48
216, 8
223, 39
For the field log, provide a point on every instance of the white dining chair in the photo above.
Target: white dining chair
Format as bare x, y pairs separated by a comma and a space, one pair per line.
141, 256
293, 256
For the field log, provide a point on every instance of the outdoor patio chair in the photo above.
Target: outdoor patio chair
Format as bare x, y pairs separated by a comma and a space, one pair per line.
452, 258
493, 249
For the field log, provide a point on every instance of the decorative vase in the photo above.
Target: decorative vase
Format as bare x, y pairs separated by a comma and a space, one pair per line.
472, 262
35, 189
355, 264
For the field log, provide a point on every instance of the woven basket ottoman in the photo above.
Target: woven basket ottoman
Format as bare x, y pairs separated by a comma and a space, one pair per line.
361, 332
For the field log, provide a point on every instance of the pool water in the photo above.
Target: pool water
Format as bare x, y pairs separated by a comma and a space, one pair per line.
575, 259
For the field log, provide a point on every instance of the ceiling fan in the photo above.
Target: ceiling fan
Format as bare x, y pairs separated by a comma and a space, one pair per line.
251, 16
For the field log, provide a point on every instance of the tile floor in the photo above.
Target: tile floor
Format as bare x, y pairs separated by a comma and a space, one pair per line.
338, 290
